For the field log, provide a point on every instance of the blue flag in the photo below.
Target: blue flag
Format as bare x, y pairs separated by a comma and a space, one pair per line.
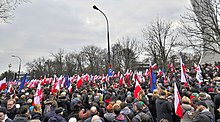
67, 82
22, 82
153, 81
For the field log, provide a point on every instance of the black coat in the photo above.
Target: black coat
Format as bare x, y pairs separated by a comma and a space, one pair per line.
35, 115
12, 112
48, 116
217, 104
204, 117
164, 109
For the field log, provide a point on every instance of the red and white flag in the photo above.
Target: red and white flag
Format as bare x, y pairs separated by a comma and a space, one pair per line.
38, 95
9, 89
79, 82
70, 89
159, 73
177, 98
171, 67
3, 84
137, 89
154, 66
183, 71
121, 81
199, 74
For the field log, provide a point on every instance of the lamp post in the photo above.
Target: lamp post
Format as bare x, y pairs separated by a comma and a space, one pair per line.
19, 68
96, 8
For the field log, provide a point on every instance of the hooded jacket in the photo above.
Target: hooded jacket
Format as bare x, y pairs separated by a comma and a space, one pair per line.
187, 111
164, 109
204, 116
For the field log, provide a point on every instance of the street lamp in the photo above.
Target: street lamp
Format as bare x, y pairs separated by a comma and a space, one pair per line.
96, 8
19, 69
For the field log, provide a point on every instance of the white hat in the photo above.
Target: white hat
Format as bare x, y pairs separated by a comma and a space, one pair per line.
63, 94
72, 119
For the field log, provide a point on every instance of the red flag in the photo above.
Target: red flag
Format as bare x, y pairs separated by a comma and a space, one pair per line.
86, 78
154, 66
137, 89
79, 82
70, 89
121, 81
177, 98
38, 95
171, 67
183, 71
3, 84
160, 73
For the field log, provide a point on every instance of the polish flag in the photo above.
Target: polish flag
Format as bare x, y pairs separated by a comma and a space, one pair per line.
177, 98
86, 78
171, 67
70, 89
147, 73
38, 95
154, 66
9, 89
118, 74
3, 84
137, 89
160, 73
199, 74
183, 71
79, 82
195, 67
121, 81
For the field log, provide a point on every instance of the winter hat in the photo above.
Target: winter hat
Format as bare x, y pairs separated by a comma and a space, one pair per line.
201, 103
186, 100
139, 106
3, 110
109, 108
72, 119
63, 94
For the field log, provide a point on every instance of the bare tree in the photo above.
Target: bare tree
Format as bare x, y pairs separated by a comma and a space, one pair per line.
7, 7
95, 57
58, 61
200, 26
160, 40
126, 53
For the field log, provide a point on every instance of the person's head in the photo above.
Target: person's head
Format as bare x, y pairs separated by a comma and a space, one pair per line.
163, 94
23, 110
138, 106
20, 119
109, 108
200, 106
116, 109
145, 118
3, 111
54, 105
186, 100
37, 108
10, 104
93, 110
96, 118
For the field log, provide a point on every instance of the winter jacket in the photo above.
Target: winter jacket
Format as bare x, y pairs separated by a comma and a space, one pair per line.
12, 112
137, 117
48, 116
164, 109
204, 116
57, 118
35, 115
120, 118
108, 117
187, 113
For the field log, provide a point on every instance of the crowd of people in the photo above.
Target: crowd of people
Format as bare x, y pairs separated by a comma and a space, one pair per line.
105, 102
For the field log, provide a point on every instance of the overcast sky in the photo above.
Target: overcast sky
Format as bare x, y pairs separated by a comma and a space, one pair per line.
45, 26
